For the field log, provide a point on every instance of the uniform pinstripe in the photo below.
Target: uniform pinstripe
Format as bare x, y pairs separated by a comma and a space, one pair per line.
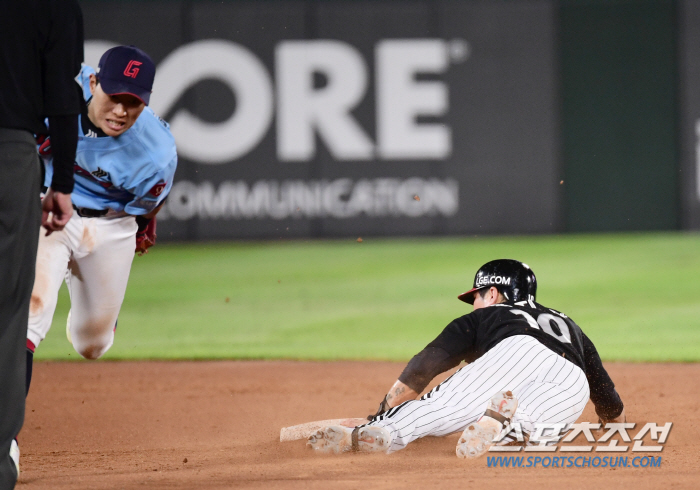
549, 389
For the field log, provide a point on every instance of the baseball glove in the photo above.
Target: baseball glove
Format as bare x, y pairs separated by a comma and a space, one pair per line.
146, 235
44, 145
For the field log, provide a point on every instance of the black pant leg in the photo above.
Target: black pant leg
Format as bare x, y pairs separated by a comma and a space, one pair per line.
20, 216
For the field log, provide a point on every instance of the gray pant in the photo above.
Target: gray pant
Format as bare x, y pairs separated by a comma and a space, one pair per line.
20, 216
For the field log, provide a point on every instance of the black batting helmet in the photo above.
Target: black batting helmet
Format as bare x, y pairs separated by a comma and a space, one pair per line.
512, 278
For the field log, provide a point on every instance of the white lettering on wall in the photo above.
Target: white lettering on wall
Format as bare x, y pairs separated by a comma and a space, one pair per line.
303, 110
233, 65
340, 198
401, 98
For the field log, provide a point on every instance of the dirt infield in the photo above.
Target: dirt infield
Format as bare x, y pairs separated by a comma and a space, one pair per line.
193, 425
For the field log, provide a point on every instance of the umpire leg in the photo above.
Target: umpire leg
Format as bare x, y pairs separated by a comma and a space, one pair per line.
20, 216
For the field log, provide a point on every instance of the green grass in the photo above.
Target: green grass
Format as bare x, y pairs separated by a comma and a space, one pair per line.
636, 295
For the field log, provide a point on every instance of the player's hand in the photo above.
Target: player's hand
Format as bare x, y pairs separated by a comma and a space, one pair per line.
146, 238
398, 394
383, 407
56, 210
620, 419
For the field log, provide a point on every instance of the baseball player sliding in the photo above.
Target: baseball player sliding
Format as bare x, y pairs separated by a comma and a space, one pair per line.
527, 364
124, 169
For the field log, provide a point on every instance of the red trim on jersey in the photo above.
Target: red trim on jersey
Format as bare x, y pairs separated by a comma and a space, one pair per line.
157, 189
30, 346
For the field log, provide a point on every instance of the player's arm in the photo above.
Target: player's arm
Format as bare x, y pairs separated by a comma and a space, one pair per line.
149, 197
420, 370
398, 394
607, 402
442, 354
146, 233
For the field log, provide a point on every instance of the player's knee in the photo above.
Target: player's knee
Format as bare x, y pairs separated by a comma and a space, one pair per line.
92, 337
91, 352
92, 348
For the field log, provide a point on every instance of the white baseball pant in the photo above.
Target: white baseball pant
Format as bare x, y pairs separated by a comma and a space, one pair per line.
549, 389
94, 256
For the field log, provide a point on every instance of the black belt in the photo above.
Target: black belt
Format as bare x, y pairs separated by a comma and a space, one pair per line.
90, 213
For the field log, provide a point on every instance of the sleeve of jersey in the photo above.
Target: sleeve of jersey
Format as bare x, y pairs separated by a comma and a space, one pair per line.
608, 404
443, 353
83, 79
151, 193
152, 189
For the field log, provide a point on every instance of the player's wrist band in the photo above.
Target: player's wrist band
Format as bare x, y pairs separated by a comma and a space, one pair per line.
142, 222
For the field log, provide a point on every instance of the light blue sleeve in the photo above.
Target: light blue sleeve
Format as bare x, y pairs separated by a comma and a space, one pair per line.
48, 171
150, 187
83, 80
151, 192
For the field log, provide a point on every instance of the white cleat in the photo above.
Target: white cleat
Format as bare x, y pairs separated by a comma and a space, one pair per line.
338, 439
68, 329
478, 437
14, 454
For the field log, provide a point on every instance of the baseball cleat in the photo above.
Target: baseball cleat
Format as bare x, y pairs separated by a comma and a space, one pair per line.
478, 437
338, 439
14, 454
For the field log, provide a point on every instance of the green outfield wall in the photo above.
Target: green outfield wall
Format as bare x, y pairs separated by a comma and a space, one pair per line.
386, 118
619, 124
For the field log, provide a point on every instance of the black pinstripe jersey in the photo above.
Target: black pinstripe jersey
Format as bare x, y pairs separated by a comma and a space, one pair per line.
471, 336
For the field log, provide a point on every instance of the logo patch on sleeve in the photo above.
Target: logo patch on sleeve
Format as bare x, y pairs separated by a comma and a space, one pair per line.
157, 189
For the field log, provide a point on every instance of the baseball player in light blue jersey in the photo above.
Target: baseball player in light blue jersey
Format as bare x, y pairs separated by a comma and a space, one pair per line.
125, 163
